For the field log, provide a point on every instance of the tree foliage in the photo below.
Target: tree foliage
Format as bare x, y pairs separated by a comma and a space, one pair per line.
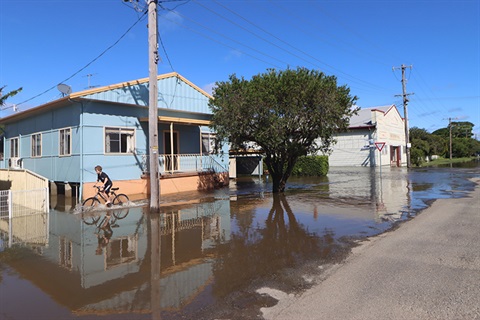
425, 145
288, 114
460, 129
4, 97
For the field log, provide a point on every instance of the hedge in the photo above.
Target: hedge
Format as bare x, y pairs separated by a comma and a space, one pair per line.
311, 166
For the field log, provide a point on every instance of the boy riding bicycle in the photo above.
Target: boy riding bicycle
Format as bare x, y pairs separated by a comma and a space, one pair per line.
107, 183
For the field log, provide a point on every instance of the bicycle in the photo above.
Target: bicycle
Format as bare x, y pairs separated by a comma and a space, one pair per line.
96, 220
118, 199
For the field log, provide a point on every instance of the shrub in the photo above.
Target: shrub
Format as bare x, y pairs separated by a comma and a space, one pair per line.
311, 166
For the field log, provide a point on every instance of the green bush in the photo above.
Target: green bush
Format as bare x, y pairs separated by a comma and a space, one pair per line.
417, 156
311, 166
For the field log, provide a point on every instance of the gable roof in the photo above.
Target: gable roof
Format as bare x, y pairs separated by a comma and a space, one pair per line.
364, 117
106, 93
92, 91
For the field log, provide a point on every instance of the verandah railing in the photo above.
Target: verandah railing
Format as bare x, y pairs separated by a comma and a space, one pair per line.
189, 163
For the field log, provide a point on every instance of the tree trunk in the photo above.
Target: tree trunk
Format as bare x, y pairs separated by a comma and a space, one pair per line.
278, 175
278, 184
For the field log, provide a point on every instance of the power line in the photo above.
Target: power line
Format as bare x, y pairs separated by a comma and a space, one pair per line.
221, 43
352, 78
88, 64
224, 36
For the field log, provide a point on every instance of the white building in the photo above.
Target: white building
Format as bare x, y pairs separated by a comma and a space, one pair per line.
375, 137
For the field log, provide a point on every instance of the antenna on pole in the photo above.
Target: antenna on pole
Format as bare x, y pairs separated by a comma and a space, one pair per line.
89, 76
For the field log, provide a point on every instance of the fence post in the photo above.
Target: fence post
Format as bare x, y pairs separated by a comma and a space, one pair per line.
47, 200
10, 205
10, 216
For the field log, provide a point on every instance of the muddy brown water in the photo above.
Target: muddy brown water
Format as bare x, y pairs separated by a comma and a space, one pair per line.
205, 255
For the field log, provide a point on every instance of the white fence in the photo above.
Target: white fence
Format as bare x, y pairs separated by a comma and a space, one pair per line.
24, 217
17, 203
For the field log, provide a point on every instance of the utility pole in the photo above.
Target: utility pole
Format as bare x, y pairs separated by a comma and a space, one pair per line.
450, 129
153, 58
405, 111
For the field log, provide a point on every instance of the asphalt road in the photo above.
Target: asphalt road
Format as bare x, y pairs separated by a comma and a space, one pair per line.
428, 268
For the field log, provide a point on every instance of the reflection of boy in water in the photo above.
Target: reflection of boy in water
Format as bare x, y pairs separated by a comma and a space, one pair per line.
104, 238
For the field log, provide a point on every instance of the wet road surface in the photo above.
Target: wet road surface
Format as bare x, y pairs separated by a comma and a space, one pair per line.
427, 269
205, 255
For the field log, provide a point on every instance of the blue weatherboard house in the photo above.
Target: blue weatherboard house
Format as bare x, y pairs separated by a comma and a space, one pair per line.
65, 139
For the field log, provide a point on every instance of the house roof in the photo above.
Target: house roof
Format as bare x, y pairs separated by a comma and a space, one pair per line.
89, 95
136, 82
364, 117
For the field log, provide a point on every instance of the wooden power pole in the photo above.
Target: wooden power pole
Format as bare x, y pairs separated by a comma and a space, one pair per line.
405, 111
153, 58
450, 134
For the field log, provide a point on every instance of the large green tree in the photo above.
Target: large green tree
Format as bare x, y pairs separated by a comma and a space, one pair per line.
425, 144
460, 129
287, 113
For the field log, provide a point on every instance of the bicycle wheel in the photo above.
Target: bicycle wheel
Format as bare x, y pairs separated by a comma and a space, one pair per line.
121, 200
91, 202
90, 220
121, 213
86, 205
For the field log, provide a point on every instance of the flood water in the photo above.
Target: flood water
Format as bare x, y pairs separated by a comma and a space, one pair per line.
205, 255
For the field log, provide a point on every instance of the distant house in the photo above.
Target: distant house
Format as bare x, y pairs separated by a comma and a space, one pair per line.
65, 139
375, 136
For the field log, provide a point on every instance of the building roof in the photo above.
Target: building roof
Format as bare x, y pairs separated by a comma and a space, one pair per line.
364, 117
98, 94
89, 92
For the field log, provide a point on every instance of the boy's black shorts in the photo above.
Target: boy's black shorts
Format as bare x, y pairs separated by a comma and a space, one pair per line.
107, 188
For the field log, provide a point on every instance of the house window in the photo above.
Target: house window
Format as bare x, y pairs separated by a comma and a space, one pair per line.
121, 251
119, 140
208, 142
65, 142
37, 145
14, 148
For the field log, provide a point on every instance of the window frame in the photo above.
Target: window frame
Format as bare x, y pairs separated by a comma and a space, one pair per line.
130, 140
14, 147
61, 140
36, 145
209, 141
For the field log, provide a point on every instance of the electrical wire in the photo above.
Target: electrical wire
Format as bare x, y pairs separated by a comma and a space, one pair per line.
221, 43
88, 64
348, 76
226, 37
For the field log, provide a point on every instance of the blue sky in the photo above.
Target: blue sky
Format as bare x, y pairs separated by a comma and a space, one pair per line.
86, 43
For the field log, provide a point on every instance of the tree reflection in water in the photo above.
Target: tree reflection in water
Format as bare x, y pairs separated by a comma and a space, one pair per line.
258, 255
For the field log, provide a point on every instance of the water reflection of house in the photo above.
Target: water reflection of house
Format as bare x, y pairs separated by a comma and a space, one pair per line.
375, 136
120, 279
366, 187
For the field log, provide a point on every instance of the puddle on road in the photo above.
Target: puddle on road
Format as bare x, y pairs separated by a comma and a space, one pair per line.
206, 258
